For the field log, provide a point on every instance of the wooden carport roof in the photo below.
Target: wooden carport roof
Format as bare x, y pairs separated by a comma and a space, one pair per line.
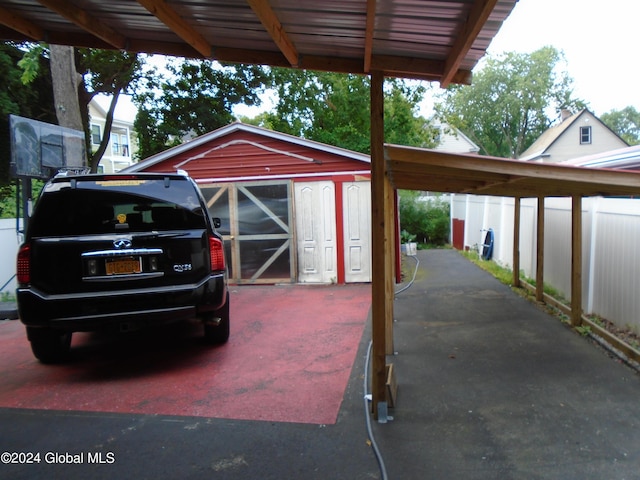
435, 40
423, 169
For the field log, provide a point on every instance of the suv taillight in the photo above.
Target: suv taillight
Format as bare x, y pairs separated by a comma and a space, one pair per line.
23, 270
216, 250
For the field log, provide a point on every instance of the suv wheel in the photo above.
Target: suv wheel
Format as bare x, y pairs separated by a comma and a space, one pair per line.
218, 333
49, 346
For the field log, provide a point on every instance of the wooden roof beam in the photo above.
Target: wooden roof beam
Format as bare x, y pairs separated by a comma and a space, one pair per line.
478, 16
87, 22
486, 164
416, 68
368, 34
174, 21
278, 34
20, 24
491, 185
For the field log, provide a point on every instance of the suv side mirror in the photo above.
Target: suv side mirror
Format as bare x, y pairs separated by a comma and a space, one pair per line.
216, 222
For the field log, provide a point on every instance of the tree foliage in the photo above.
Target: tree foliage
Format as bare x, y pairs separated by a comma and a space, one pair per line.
108, 72
512, 100
191, 98
625, 123
30, 101
426, 221
334, 108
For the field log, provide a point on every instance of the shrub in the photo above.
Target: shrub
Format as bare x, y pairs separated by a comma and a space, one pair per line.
427, 219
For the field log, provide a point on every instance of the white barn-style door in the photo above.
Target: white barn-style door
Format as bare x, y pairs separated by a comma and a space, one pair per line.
315, 213
357, 231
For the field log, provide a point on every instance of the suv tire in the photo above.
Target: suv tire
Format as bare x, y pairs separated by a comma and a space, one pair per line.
49, 346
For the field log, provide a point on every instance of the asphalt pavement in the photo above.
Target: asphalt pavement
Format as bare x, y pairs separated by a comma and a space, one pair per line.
490, 386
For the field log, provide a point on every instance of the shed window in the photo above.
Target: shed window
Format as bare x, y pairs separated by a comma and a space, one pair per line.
585, 135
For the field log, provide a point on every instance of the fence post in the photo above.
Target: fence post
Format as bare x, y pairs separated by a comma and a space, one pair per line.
540, 251
595, 206
516, 242
576, 260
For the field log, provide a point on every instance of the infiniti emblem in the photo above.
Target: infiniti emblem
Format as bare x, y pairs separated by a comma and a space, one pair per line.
122, 243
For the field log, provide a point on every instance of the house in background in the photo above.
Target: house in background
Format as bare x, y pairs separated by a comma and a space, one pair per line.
452, 140
118, 154
575, 136
627, 158
292, 210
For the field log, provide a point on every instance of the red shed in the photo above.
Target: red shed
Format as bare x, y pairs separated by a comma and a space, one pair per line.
292, 210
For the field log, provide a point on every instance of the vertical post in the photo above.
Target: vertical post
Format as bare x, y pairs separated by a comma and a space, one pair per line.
591, 259
379, 245
516, 242
576, 260
27, 193
390, 252
540, 252
339, 186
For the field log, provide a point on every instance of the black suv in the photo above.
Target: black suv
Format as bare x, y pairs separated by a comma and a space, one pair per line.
120, 251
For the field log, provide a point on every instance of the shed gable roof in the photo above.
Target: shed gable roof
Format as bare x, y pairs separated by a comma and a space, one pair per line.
246, 151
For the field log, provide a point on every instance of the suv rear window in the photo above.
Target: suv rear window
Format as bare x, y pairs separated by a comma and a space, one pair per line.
79, 207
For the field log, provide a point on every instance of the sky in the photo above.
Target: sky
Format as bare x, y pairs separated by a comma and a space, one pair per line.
599, 39
600, 42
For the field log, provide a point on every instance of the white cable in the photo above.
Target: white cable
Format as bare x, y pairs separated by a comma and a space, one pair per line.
414, 276
374, 445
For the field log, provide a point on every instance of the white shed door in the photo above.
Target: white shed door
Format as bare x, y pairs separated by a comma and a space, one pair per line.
315, 212
357, 231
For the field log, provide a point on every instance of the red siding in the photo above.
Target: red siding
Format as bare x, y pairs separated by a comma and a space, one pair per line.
245, 154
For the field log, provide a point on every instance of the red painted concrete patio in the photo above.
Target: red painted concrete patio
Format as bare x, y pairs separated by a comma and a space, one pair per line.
288, 359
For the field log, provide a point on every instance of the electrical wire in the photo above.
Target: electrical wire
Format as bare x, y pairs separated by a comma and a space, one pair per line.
412, 279
374, 445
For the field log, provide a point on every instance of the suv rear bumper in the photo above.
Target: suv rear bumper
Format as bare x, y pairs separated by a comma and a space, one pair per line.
84, 312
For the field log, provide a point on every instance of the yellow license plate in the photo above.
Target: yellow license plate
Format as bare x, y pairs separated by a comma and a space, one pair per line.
123, 266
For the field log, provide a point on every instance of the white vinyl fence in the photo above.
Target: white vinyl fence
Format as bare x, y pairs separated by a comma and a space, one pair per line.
9, 243
610, 247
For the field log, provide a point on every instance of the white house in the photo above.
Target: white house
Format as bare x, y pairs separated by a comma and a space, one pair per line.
452, 140
119, 152
575, 136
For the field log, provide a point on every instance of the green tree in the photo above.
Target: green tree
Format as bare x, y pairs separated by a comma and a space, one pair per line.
109, 72
512, 100
333, 108
31, 101
191, 98
625, 122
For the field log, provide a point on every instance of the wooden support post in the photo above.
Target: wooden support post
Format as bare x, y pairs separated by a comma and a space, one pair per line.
516, 242
381, 225
540, 252
576, 261
390, 261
